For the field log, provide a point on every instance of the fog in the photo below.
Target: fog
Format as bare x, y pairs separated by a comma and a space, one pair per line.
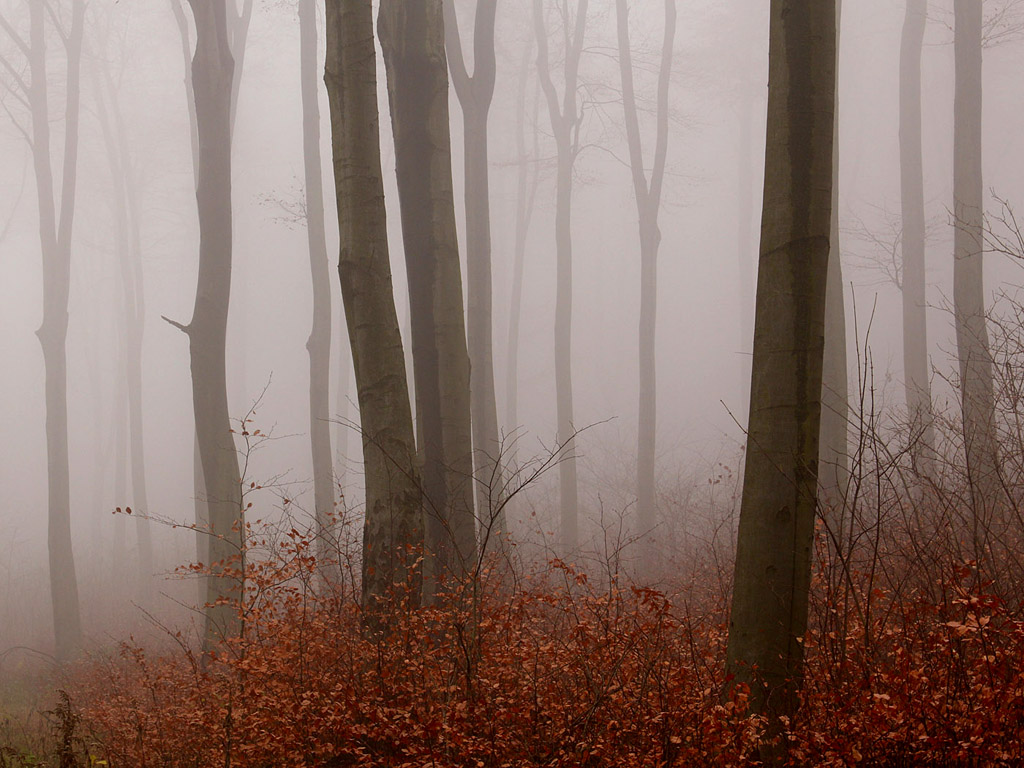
705, 315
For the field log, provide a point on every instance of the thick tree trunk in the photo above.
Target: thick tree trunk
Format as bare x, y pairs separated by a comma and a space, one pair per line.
212, 78
915, 328
773, 557
393, 532
412, 39
648, 203
319, 344
55, 229
475, 93
564, 121
976, 386
833, 450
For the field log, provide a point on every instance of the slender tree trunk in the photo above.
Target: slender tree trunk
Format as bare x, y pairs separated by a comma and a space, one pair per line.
527, 179
834, 457
319, 344
773, 556
475, 93
976, 386
55, 230
564, 124
915, 327
648, 204
412, 39
745, 246
212, 78
393, 533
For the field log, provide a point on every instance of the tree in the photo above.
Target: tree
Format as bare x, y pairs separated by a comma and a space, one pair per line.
972, 343
648, 203
213, 87
319, 344
915, 327
475, 93
129, 246
565, 123
773, 552
393, 532
412, 39
833, 449
56, 223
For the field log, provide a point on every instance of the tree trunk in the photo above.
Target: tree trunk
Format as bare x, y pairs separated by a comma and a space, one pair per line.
833, 455
475, 93
564, 121
393, 532
773, 556
55, 229
648, 203
319, 344
976, 386
412, 39
527, 179
745, 246
212, 77
915, 327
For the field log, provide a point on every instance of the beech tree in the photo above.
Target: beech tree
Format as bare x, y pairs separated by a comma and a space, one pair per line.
565, 122
393, 531
475, 93
412, 39
648, 204
773, 551
972, 341
213, 88
319, 343
915, 327
56, 209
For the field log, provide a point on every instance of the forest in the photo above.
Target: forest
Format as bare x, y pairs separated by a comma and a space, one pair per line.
470, 383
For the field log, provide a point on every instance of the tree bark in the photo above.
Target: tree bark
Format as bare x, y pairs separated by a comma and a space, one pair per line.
565, 119
834, 457
56, 220
475, 93
773, 557
412, 39
212, 79
393, 532
915, 327
319, 343
648, 204
976, 385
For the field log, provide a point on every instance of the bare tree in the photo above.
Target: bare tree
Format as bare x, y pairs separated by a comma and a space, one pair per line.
773, 555
213, 87
56, 223
648, 205
412, 39
972, 340
566, 119
915, 327
393, 532
475, 93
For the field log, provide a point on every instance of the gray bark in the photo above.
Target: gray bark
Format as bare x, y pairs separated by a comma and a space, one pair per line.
319, 343
915, 327
412, 39
834, 457
976, 385
773, 556
648, 203
56, 220
527, 179
212, 79
475, 93
565, 120
393, 532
